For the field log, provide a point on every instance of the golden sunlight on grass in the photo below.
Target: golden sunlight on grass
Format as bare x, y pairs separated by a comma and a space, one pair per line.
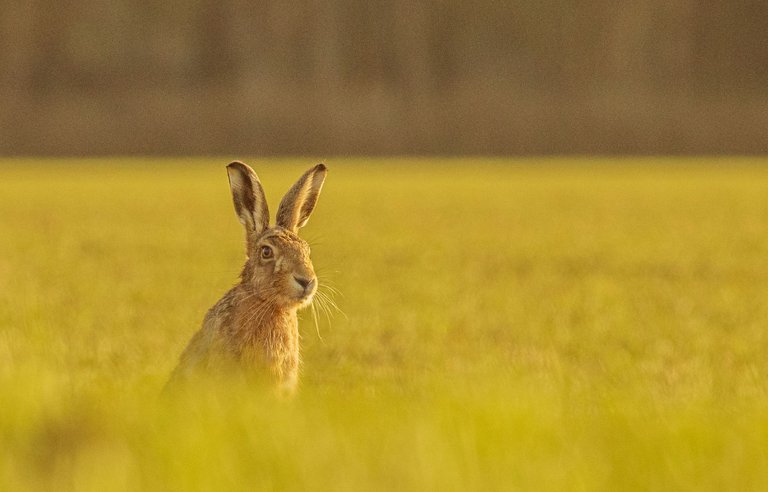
547, 324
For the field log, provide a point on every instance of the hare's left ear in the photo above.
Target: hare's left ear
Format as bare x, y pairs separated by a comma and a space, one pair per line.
298, 203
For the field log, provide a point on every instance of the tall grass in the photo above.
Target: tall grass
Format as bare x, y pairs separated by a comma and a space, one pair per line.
558, 324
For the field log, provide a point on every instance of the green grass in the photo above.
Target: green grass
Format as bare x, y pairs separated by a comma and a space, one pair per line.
550, 324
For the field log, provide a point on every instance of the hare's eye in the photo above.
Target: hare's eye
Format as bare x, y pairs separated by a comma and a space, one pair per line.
266, 252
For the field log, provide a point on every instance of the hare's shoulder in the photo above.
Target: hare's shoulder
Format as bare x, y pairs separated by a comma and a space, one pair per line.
208, 344
224, 307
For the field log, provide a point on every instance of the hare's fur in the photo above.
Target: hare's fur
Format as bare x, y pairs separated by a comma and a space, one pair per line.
254, 329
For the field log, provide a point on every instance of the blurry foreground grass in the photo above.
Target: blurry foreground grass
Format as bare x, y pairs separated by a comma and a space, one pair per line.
534, 324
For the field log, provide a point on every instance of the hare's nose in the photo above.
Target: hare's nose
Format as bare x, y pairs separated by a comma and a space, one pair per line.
304, 282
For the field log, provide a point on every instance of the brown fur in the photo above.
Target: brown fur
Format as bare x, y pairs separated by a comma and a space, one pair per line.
254, 328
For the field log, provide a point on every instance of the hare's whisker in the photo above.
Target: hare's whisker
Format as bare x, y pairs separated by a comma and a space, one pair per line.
317, 325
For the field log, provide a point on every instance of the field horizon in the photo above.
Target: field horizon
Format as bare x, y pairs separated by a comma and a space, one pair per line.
503, 324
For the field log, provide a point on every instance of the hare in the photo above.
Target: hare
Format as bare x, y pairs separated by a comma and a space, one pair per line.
254, 328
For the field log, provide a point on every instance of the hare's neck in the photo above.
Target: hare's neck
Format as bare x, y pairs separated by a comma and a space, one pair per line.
272, 319
254, 315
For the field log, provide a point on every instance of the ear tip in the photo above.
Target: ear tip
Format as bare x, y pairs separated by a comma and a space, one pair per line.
239, 167
321, 167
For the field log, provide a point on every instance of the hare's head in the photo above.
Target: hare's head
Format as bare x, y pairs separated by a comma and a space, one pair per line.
278, 268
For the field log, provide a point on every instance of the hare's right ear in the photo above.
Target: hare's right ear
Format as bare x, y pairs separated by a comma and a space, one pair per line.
250, 202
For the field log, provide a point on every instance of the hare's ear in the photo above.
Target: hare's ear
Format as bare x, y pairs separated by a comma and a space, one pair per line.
248, 195
298, 203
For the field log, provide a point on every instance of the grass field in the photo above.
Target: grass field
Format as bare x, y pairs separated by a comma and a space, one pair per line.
551, 324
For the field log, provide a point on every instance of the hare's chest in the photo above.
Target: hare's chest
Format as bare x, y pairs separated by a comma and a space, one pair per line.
275, 347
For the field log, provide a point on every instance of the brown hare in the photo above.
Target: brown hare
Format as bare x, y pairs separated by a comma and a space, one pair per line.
253, 328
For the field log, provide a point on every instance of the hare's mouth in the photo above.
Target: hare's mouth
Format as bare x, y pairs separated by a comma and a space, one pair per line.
306, 300
303, 299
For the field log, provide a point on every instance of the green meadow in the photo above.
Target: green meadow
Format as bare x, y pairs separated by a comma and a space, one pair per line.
502, 324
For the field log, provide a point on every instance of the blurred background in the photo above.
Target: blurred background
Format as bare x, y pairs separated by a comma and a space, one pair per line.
99, 77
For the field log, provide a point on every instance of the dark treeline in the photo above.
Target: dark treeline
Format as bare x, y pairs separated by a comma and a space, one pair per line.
362, 77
